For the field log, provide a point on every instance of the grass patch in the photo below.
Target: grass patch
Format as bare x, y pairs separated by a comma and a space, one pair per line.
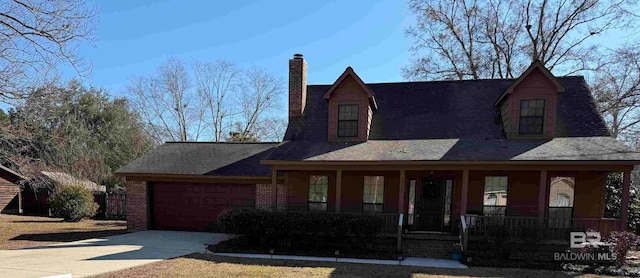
18, 231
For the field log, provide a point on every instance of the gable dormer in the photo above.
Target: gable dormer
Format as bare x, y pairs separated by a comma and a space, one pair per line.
528, 106
351, 107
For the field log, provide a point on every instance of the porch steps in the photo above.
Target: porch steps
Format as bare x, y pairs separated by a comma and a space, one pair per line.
428, 245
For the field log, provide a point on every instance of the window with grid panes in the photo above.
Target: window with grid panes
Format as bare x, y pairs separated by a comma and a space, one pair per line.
495, 196
348, 120
561, 196
531, 116
373, 194
318, 193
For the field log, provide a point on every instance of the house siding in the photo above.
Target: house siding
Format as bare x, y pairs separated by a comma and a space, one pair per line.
535, 86
505, 114
589, 199
9, 196
349, 92
352, 187
523, 191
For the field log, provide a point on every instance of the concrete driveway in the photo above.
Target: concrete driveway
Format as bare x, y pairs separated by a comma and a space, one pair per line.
100, 255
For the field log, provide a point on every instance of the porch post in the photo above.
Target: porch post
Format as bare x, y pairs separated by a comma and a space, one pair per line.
20, 211
338, 190
274, 187
542, 194
624, 207
465, 188
401, 205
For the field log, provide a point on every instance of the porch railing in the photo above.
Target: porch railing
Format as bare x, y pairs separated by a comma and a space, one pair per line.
390, 220
531, 227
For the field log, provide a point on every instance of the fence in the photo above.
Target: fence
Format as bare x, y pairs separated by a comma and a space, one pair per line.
111, 205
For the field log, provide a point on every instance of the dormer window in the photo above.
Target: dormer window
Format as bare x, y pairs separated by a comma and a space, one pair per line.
531, 116
348, 120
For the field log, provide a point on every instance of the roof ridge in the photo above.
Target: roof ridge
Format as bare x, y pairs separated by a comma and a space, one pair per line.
453, 81
213, 142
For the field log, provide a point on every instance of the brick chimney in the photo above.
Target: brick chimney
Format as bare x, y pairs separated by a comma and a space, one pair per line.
297, 85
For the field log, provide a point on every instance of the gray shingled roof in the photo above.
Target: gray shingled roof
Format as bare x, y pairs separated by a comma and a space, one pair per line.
557, 149
243, 159
63, 179
448, 109
199, 158
419, 121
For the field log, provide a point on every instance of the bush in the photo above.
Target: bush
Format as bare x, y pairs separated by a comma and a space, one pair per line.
72, 202
300, 229
622, 242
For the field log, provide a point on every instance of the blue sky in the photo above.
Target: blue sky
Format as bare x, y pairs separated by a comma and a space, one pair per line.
135, 37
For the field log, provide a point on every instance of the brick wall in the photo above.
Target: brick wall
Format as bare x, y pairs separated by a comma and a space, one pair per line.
264, 197
137, 205
297, 86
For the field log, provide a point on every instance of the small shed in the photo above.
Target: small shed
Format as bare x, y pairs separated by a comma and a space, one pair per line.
35, 201
10, 190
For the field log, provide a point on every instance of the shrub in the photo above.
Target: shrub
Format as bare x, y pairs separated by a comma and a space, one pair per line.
622, 242
72, 202
299, 229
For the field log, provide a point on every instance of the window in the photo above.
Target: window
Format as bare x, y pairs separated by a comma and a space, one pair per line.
318, 193
372, 199
561, 193
348, 120
448, 191
412, 202
531, 116
495, 196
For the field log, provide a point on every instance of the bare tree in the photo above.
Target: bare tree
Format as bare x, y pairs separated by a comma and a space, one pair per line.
215, 82
35, 37
470, 39
558, 30
232, 103
260, 93
502, 34
167, 104
271, 129
617, 91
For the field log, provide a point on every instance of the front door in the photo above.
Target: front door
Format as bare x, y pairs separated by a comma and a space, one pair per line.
433, 204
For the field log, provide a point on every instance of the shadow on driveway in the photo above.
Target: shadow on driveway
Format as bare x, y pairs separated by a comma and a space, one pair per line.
100, 254
146, 245
68, 236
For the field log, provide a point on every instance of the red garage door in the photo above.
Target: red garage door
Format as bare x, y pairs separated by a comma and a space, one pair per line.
195, 206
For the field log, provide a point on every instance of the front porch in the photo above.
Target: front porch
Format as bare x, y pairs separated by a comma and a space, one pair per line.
530, 228
485, 200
